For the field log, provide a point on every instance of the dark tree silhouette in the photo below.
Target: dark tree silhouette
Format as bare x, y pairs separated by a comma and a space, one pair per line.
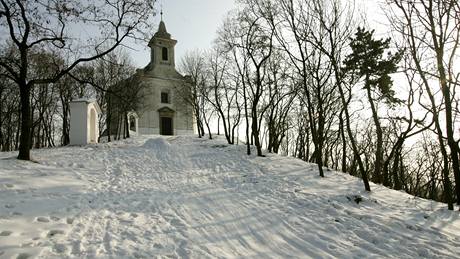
47, 26
369, 60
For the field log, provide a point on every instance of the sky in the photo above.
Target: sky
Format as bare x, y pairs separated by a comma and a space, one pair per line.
193, 23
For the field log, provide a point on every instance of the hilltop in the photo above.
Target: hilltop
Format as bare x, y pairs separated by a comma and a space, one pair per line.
150, 197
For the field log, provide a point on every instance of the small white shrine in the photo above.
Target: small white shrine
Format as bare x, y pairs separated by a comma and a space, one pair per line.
133, 122
84, 123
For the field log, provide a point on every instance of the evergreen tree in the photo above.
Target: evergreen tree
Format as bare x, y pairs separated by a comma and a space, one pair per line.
371, 60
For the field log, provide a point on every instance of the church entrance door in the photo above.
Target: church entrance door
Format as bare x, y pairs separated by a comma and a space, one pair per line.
166, 126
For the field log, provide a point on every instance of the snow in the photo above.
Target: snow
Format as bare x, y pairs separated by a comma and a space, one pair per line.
184, 197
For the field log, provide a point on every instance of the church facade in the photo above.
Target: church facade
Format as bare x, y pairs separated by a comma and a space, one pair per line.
162, 108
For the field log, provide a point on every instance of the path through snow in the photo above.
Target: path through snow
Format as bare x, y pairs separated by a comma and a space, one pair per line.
183, 197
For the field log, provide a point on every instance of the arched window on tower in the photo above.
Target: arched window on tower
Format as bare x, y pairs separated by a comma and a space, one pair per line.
164, 53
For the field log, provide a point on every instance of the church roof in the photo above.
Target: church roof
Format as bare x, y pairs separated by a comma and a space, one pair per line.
162, 32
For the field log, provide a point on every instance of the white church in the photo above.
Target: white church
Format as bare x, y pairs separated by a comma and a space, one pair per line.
162, 108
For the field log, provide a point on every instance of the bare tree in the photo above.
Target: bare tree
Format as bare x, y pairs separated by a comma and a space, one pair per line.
432, 32
370, 61
258, 45
337, 23
233, 38
193, 65
9, 114
251, 43
46, 25
108, 72
298, 33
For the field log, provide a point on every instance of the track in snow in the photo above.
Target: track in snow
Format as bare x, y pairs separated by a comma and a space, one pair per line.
183, 197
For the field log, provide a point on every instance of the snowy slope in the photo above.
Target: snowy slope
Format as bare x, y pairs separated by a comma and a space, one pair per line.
187, 197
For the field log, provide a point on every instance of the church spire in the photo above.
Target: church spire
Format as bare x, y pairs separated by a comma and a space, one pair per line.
162, 32
162, 47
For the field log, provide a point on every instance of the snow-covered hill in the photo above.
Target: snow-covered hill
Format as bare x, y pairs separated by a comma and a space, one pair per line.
187, 197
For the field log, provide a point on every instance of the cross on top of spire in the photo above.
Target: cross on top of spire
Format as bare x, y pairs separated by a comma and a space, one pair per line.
161, 10
162, 32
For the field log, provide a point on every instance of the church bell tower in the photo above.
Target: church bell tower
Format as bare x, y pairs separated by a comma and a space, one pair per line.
162, 49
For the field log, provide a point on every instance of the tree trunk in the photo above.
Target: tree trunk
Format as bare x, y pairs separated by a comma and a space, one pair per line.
248, 147
255, 132
209, 128
109, 120
378, 131
18, 131
218, 125
126, 125
454, 150
199, 125
352, 139
65, 126
344, 143
24, 141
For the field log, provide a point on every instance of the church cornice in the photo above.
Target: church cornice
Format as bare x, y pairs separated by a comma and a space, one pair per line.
148, 72
166, 109
159, 41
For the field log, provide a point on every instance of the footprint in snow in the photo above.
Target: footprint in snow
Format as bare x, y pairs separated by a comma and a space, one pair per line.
414, 228
5, 233
177, 223
54, 218
42, 219
158, 246
53, 233
60, 248
69, 221
29, 244
125, 221
9, 185
332, 247
9, 206
23, 256
76, 248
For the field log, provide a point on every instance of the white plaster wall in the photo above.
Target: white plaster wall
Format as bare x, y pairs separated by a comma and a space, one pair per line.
135, 118
149, 131
80, 122
78, 118
156, 131
151, 101
184, 132
90, 107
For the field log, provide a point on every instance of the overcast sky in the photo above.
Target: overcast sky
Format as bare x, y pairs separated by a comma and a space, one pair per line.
193, 23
